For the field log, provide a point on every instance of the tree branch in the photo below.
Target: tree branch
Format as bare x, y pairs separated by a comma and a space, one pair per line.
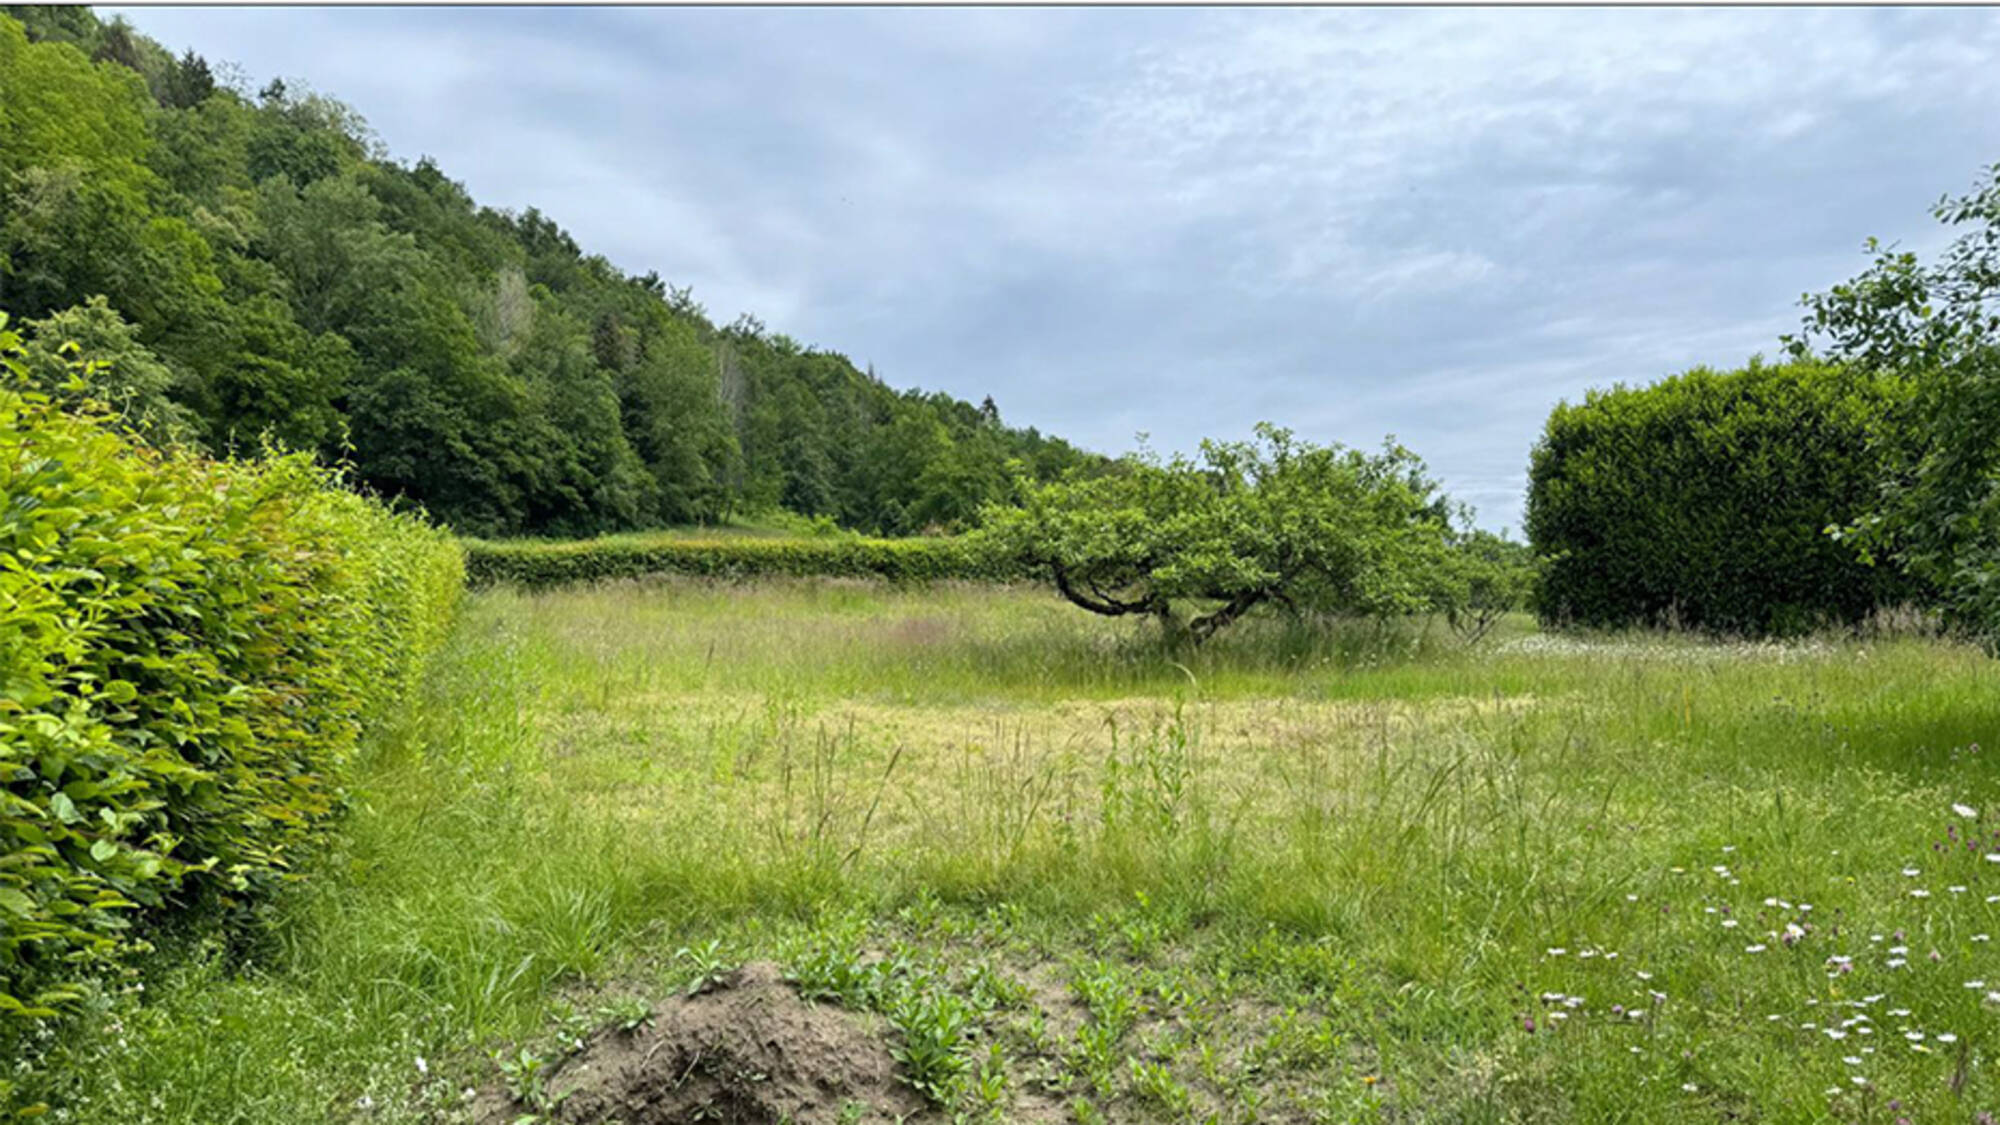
1097, 601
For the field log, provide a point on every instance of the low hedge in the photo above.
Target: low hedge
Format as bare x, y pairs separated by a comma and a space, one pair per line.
189, 651
1704, 500
538, 565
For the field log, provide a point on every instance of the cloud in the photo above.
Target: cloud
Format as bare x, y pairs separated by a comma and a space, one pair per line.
1431, 222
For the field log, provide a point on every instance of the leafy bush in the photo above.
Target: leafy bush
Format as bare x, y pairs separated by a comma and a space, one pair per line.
1198, 544
189, 649
1485, 577
1705, 500
539, 564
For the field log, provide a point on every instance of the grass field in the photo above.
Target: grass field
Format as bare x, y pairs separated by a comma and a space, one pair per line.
1336, 874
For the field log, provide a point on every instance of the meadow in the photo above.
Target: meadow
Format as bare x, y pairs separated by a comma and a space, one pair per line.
1312, 871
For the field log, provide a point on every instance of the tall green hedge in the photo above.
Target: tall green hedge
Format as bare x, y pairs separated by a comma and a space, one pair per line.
1703, 500
189, 650
537, 565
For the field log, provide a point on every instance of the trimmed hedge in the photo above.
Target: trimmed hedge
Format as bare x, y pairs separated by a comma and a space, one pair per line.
1703, 500
189, 651
538, 565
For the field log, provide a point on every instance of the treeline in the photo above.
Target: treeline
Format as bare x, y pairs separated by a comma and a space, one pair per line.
253, 268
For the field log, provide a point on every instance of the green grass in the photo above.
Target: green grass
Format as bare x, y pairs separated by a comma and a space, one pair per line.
1308, 874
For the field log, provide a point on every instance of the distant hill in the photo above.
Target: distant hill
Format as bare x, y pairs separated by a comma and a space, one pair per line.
268, 271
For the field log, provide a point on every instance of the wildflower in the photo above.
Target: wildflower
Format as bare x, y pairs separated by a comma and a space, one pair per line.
1833, 1033
1851, 1060
1975, 984
1982, 937
1914, 1036
1793, 932
1689, 1087
1643, 975
1729, 923
1858, 1080
422, 1066
1966, 811
1946, 1037
1899, 1012
1899, 949
1956, 889
1557, 952
1758, 948
1920, 893
1897, 962
1992, 857
1911, 872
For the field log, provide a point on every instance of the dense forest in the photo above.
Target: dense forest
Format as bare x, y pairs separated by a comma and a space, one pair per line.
252, 269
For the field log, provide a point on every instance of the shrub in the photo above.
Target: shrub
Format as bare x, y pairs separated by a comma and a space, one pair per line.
539, 564
1705, 500
189, 649
1484, 578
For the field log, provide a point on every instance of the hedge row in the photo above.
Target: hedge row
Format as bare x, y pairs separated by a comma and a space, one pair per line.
189, 651
1704, 500
537, 565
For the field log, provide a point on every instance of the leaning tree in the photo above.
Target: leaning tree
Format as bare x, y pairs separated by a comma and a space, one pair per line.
1196, 543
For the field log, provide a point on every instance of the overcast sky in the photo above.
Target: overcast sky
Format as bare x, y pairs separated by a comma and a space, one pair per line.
1354, 222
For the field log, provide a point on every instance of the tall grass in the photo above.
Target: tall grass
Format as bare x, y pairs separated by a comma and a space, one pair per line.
1404, 858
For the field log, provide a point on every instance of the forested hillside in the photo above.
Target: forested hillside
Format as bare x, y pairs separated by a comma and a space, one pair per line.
254, 267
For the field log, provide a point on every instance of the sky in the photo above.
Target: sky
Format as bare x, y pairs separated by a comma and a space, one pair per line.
1431, 223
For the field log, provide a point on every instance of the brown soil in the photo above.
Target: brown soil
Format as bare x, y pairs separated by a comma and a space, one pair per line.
747, 1051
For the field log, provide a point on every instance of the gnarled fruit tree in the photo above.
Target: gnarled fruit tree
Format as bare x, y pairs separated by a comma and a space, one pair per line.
1197, 543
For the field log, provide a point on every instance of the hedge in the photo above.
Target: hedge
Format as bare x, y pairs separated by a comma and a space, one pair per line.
1704, 499
189, 652
538, 565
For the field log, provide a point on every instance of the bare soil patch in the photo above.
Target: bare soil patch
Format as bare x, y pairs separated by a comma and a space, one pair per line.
748, 1051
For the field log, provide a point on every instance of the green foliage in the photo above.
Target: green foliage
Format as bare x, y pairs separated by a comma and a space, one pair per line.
1485, 577
1311, 528
189, 649
299, 287
1937, 513
536, 565
124, 374
1703, 499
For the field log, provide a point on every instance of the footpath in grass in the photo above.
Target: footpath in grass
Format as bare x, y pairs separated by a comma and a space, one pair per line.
1031, 869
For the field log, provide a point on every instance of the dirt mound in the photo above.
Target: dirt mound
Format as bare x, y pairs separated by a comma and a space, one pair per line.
748, 1050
